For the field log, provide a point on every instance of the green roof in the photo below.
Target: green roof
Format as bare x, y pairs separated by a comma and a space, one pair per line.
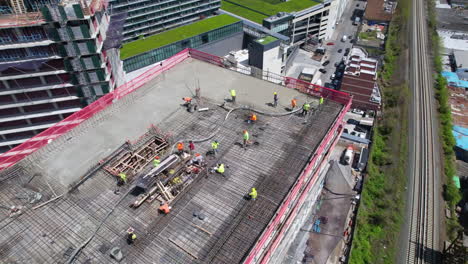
153, 42
266, 40
264, 7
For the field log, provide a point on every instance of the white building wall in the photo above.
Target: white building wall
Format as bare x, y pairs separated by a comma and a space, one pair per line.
272, 60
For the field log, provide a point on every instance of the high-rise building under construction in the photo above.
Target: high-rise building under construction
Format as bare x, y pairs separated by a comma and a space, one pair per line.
52, 63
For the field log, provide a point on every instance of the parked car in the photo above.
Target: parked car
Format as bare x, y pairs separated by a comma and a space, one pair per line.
331, 86
322, 71
357, 111
346, 52
340, 50
326, 63
337, 63
332, 77
345, 131
330, 44
338, 74
359, 129
336, 82
352, 121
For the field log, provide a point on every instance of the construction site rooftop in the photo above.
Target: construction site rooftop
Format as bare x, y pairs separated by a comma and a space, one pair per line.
93, 218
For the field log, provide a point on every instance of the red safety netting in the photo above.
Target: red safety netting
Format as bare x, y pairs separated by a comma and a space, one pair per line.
264, 247
33, 144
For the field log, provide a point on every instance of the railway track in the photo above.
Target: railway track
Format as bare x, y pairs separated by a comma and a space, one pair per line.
423, 233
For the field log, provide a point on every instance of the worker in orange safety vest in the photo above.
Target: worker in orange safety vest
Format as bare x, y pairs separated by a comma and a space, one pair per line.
180, 147
252, 118
293, 104
165, 208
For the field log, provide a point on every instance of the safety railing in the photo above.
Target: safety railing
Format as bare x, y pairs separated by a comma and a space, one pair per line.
269, 239
33, 144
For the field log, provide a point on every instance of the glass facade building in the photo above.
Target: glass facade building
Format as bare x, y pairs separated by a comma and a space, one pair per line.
149, 17
153, 56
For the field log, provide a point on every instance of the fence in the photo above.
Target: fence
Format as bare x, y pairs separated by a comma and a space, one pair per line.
35, 143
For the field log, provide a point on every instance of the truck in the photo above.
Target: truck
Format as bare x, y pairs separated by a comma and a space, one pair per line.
348, 155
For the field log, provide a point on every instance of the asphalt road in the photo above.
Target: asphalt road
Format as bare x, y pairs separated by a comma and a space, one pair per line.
345, 27
422, 244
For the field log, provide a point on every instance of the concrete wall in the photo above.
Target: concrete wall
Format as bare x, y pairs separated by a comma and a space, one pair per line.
272, 60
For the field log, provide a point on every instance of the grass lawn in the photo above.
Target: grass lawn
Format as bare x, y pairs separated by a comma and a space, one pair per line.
368, 35
245, 13
153, 42
270, 7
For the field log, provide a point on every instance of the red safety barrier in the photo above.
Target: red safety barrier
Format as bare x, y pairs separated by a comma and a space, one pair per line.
275, 223
33, 144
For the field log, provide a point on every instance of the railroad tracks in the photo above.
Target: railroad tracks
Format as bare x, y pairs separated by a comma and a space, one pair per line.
423, 233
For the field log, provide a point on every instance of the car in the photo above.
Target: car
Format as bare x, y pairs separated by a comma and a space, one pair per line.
330, 44
352, 121
346, 52
330, 86
353, 133
332, 76
337, 63
339, 74
336, 82
326, 63
345, 131
340, 50
359, 129
362, 135
322, 71
357, 5
357, 111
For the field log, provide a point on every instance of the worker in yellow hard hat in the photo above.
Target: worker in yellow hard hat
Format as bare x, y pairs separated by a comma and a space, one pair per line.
275, 99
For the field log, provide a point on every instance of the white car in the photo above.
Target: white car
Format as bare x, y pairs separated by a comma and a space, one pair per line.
357, 111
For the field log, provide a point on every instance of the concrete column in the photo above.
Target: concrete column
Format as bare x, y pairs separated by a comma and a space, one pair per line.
43, 81
6, 84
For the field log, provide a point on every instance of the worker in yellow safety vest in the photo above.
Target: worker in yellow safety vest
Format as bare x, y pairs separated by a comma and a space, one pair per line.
253, 194
131, 237
220, 168
123, 178
233, 96
246, 137
321, 100
156, 161
214, 147
305, 109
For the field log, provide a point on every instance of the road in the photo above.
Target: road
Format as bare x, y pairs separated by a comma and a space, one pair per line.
344, 27
422, 245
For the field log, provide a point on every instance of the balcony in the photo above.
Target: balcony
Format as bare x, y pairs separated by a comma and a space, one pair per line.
37, 101
37, 43
37, 114
31, 74
35, 88
33, 127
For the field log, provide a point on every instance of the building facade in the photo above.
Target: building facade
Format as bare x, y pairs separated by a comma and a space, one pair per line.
316, 22
51, 65
149, 17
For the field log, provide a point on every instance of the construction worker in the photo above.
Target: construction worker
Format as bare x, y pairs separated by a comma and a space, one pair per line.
233, 96
198, 159
253, 194
214, 147
165, 208
293, 104
123, 178
246, 137
180, 147
191, 147
305, 108
156, 161
219, 168
131, 237
275, 99
321, 100
252, 118
188, 103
